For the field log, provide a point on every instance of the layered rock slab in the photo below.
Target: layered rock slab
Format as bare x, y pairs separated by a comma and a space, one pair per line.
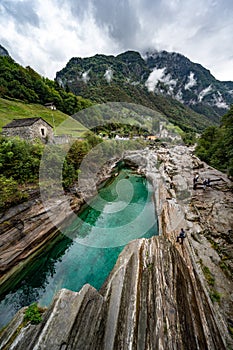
25, 229
151, 300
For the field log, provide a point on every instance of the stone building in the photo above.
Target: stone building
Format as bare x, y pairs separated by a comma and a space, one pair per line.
29, 129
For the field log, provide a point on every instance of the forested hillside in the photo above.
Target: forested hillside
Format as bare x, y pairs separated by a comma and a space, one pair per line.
85, 82
215, 146
27, 85
183, 91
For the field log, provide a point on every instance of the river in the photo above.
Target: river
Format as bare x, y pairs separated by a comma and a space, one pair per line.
88, 249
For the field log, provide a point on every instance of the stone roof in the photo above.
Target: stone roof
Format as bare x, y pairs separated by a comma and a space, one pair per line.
23, 122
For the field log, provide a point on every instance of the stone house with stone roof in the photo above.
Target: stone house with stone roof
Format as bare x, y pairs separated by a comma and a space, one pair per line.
29, 129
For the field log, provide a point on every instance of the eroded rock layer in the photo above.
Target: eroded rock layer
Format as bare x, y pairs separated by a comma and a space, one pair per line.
25, 229
151, 300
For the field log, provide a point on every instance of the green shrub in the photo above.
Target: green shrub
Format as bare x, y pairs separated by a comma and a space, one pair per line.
208, 275
9, 193
215, 296
33, 314
215, 146
20, 159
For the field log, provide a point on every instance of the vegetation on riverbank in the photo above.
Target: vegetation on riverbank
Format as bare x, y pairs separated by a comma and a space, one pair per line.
33, 314
20, 166
20, 163
215, 146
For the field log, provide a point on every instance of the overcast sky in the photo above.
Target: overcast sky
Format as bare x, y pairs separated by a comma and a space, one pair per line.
45, 34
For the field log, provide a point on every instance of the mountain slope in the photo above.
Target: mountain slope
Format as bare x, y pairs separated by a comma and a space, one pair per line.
183, 91
10, 110
27, 85
122, 79
3, 51
189, 82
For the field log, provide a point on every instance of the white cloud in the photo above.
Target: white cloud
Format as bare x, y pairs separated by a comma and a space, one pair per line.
59, 37
108, 75
85, 77
155, 76
191, 81
169, 82
219, 101
159, 75
46, 34
203, 93
179, 96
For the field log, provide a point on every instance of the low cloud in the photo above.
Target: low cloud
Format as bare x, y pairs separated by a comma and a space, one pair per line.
219, 101
204, 92
85, 77
108, 75
159, 75
155, 76
191, 82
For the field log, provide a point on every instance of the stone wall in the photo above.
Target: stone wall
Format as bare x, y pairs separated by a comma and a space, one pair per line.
38, 130
62, 139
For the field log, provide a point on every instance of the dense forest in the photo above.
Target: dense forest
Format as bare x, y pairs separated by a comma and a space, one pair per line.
27, 85
215, 146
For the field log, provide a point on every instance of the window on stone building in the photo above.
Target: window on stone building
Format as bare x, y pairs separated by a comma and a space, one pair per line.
42, 132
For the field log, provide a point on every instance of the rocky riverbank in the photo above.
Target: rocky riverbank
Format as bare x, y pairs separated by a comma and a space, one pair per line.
26, 228
160, 294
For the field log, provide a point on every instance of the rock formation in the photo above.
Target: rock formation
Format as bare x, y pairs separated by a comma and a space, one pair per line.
151, 300
25, 229
160, 294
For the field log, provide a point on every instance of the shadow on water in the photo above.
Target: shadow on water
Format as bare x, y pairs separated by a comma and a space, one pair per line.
65, 262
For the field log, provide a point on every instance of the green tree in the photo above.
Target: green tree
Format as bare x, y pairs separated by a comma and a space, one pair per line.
9, 193
20, 159
215, 146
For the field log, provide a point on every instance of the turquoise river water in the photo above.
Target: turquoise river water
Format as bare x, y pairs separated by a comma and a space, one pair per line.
123, 210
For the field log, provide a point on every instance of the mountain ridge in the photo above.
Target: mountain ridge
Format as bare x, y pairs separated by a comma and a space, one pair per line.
127, 77
3, 51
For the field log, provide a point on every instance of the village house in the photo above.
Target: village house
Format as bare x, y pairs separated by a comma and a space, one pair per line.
51, 106
29, 129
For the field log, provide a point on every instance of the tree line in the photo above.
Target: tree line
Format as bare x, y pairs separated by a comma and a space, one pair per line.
28, 86
215, 146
